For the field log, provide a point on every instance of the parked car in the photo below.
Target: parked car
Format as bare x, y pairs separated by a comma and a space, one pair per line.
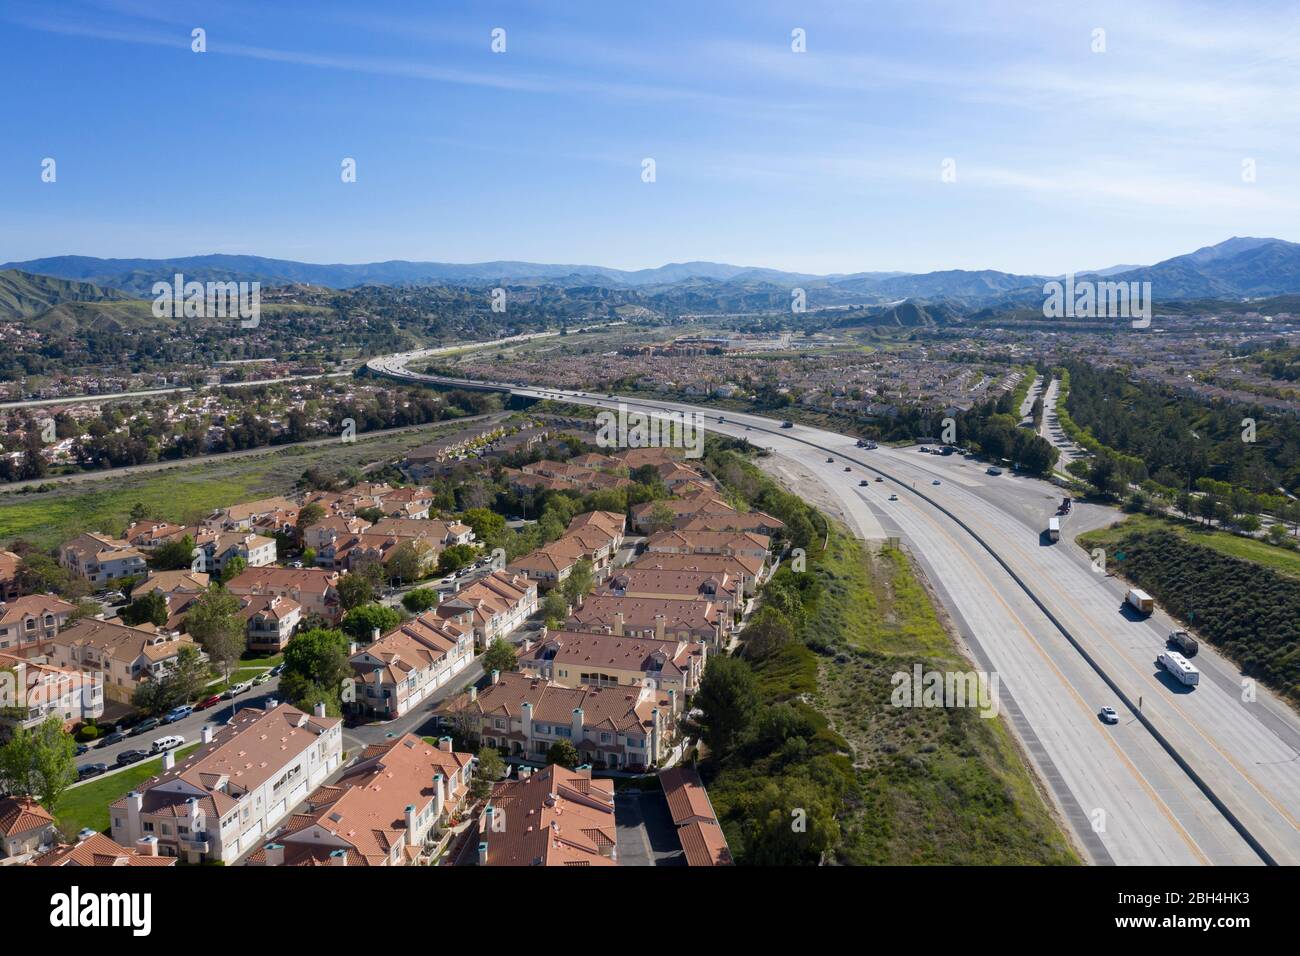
177, 713
170, 742
81, 749
131, 756
146, 725
261, 678
236, 689
116, 737
115, 597
207, 702
91, 770
278, 669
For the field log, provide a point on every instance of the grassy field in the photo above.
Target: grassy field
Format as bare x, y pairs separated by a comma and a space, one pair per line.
188, 491
937, 785
86, 806
1248, 549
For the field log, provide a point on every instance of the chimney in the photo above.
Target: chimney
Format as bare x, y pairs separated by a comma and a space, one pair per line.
374, 634
575, 726
271, 704
661, 622
274, 854
526, 718
444, 744
438, 795
169, 759
496, 676
618, 624
672, 700
410, 825
319, 709
205, 735
339, 858
352, 648
147, 846
482, 854
196, 815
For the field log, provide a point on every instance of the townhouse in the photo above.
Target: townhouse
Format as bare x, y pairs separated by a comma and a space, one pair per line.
721, 587
390, 808
573, 658
400, 669
26, 828
101, 560
545, 566
241, 517
312, 588
96, 849
33, 691
221, 800
443, 533
693, 505
610, 523
10, 564
257, 551
617, 727
701, 837
179, 589
124, 656
270, 620
327, 535
748, 572
552, 817
148, 535
497, 604
660, 618
755, 521
28, 623
745, 543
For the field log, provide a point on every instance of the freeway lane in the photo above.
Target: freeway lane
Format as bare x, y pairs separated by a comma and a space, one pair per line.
1154, 813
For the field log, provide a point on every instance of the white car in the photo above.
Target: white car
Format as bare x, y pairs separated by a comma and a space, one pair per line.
1108, 715
236, 689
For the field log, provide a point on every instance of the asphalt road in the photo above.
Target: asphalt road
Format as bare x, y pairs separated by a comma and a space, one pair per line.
1125, 797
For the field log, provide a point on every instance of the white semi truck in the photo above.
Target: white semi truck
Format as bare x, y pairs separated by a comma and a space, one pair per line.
1180, 667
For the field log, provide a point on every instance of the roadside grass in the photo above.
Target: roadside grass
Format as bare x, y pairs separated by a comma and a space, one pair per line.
86, 806
936, 785
1248, 549
252, 660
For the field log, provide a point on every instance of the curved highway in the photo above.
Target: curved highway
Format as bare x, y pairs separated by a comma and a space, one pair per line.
1203, 777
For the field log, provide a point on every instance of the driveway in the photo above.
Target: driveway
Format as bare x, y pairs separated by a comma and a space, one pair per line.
646, 835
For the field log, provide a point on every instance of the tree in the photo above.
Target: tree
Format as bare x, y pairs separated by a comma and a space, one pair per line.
793, 823
213, 621
728, 700
555, 608
39, 762
489, 770
151, 608
766, 633
355, 590
315, 667
404, 563
419, 600
488, 525
362, 621
174, 555
579, 582
563, 752
455, 557
154, 696
500, 656
309, 515
660, 518
235, 566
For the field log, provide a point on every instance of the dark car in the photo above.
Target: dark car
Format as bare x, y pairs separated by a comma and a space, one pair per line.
146, 725
131, 756
277, 670
116, 737
81, 749
91, 770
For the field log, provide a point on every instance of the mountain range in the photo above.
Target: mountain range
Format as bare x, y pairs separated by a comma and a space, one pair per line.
1236, 269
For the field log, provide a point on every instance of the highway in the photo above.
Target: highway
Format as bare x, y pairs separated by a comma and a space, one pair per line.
1202, 777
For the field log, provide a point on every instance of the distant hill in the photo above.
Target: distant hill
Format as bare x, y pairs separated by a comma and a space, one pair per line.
23, 294
1236, 269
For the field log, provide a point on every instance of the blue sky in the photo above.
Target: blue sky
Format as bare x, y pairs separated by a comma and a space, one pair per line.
824, 161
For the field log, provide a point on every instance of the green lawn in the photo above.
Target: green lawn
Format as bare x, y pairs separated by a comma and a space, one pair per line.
1248, 549
86, 806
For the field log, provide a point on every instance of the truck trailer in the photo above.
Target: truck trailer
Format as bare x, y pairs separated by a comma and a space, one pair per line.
1140, 601
1180, 667
1054, 528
